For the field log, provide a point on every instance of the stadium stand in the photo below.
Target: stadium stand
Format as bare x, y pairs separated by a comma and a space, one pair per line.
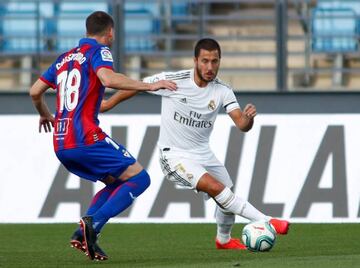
22, 31
138, 26
21, 27
159, 35
335, 31
70, 22
154, 8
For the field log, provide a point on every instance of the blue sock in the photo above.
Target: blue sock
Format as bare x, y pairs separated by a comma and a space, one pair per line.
102, 196
99, 199
121, 198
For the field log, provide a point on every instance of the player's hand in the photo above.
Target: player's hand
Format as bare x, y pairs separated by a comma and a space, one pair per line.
46, 122
249, 111
163, 84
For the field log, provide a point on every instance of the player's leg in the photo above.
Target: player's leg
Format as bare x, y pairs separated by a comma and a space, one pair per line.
135, 180
224, 219
100, 161
102, 196
79, 161
190, 174
97, 201
186, 173
226, 199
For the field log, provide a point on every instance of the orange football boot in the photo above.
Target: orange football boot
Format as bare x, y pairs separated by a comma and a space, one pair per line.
281, 226
232, 244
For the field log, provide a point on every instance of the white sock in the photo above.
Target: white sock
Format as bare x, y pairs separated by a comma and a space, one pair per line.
232, 203
225, 222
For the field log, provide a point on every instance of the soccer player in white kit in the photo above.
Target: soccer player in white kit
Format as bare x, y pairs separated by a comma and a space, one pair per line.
187, 120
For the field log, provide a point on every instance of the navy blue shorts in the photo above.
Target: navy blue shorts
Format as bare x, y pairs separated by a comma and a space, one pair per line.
97, 161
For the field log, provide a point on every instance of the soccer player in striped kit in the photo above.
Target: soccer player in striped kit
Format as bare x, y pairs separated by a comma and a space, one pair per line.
79, 77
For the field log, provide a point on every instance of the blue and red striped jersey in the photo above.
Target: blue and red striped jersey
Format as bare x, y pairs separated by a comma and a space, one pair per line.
79, 93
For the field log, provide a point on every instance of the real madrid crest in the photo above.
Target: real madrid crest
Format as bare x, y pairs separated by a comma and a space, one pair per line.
212, 105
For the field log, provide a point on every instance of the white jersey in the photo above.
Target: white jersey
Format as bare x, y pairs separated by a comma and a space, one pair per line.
189, 113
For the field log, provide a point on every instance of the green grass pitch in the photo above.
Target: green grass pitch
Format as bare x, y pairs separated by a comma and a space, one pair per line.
178, 245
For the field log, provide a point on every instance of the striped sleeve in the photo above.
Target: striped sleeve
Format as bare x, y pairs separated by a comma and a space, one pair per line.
230, 102
177, 75
155, 78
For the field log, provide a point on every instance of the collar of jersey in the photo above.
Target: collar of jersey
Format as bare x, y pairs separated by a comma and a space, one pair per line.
90, 41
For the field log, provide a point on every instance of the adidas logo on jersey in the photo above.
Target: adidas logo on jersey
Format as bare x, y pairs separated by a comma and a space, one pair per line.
183, 100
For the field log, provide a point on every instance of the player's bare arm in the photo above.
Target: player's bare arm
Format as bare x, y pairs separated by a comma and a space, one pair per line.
37, 91
119, 81
244, 119
116, 98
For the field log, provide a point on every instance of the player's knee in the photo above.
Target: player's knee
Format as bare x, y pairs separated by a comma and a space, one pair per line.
109, 180
131, 171
209, 185
142, 181
146, 179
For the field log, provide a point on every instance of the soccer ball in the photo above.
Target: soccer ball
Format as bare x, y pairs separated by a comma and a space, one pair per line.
258, 236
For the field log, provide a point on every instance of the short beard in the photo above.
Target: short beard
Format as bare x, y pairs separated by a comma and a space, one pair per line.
201, 77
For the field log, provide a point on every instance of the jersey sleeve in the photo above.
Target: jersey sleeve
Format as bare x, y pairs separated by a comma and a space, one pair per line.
102, 58
155, 78
230, 102
49, 76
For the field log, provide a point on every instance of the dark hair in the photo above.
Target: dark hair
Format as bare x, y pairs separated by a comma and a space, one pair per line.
97, 22
207, 44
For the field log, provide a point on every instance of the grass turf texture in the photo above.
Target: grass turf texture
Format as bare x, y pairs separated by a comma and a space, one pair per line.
178, 245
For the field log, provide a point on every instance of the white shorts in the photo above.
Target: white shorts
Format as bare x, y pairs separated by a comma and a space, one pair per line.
186, 171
